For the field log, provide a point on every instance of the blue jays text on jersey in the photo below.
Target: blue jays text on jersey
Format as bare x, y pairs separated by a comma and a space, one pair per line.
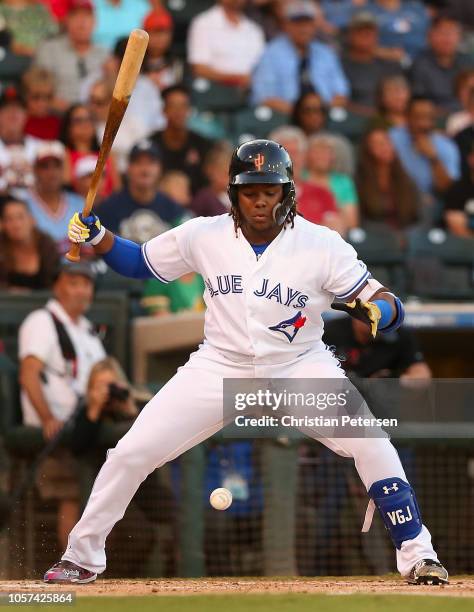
232, 283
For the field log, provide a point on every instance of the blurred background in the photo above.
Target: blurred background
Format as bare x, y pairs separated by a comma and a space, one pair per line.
374, 100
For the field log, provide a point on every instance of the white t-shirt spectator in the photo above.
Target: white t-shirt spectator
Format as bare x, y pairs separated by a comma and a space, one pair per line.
16, 165
227, 47
38, 338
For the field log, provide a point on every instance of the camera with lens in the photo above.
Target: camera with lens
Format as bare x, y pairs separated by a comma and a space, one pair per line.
118, 393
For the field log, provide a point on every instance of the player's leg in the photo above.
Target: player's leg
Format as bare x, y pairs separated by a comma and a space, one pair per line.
186, 411
382, 473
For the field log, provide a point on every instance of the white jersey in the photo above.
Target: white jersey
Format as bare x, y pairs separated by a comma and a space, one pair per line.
261, 310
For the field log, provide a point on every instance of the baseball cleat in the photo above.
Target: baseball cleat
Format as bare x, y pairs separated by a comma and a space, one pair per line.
67, 572
428, 571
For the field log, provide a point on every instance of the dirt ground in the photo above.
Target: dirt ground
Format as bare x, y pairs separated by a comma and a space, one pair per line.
459, 586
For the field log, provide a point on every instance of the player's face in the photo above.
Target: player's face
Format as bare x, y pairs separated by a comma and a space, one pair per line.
256, 204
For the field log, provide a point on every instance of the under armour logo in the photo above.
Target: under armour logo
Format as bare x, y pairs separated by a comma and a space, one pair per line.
259, 161
387, 490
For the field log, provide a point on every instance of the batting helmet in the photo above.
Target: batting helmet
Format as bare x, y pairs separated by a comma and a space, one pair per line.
263, 161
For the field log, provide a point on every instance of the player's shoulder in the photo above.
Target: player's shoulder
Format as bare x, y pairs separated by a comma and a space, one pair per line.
207, 225
314, 232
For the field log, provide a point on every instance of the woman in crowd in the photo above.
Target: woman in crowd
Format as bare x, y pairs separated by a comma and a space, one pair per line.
320, 172
460, 120
79, 137
109, 398
386, 192
393, 95
29, 258
311, 115
39, 93
213, 199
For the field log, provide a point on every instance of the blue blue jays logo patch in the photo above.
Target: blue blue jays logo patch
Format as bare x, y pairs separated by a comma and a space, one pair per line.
290, 327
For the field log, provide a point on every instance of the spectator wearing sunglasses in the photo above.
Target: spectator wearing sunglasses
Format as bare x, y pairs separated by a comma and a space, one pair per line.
310, 114
38, 86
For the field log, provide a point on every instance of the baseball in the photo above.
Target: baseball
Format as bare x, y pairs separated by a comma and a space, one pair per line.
220, 499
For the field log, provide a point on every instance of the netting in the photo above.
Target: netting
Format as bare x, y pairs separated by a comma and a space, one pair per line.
298, 510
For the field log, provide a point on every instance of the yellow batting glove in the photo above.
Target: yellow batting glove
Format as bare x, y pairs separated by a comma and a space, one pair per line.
367, 312
85, 229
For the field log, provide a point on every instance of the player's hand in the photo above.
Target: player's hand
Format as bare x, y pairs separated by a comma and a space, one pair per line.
367, 312
85, 229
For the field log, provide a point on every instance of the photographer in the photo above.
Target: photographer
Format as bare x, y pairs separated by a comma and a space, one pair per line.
108, 398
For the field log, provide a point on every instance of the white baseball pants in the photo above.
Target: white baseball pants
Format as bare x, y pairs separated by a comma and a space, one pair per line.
186, 411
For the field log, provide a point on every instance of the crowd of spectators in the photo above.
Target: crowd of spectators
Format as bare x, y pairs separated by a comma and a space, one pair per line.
402, 71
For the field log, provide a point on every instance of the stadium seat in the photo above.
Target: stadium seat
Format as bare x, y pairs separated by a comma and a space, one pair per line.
208, 96
256, 122
441, 266
348, 124
382, 250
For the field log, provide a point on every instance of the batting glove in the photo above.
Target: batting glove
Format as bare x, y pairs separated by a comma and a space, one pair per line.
85, 229
367, 312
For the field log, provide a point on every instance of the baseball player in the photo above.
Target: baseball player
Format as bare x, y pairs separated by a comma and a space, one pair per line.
269, 276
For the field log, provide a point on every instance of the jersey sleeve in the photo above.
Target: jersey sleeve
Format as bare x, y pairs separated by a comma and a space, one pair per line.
169, 255
346, 274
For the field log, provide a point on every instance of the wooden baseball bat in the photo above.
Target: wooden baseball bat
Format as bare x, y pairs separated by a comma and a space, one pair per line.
126, 78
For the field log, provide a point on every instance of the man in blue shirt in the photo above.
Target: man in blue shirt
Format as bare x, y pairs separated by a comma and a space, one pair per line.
403, 27
294, 63
430, 158
140, 211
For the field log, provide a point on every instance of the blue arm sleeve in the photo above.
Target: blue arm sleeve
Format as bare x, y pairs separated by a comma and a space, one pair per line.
126, 258
386, 324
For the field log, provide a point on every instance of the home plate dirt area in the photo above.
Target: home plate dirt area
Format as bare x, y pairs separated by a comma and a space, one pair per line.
460, 586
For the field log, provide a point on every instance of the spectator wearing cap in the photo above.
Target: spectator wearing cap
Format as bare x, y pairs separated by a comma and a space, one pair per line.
159, 64
82, 178
145, 103
52, 380
402, 28
28, 257
78, 135
361, 65
39, 91
50, 204
224, 45
17, 150
140, 211
294, 63
117, 18
430, 158
29, 23
72, 56
181, 148
435, 70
